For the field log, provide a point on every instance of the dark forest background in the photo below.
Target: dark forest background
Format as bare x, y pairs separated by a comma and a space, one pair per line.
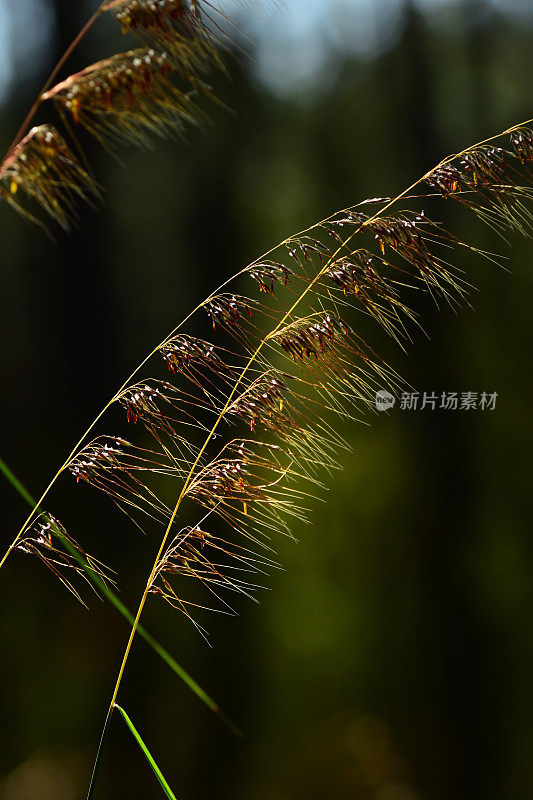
392, 659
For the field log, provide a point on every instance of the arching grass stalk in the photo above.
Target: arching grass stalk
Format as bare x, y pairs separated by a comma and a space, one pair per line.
228, 480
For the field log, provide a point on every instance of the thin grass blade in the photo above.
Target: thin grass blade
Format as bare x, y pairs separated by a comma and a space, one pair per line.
122, 609
17, 485
155, 769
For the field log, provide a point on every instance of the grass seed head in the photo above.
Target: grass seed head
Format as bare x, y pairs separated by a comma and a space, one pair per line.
128, 97
43, 167
48, 540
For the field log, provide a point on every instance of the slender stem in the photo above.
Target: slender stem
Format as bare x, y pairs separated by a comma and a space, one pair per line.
182, 495
252, 358
199, 456
189, 479
99, 752
66, 55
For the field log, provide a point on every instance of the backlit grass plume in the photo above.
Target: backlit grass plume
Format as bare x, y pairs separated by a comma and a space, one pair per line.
242, 424
130, 97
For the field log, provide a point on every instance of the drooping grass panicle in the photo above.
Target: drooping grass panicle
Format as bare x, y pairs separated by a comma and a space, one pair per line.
43, 168
245, 424
175, 26
217, 564
45, 538
489, 181
128, 97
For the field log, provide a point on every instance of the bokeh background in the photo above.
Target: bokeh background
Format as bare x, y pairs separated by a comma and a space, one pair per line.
392, 659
